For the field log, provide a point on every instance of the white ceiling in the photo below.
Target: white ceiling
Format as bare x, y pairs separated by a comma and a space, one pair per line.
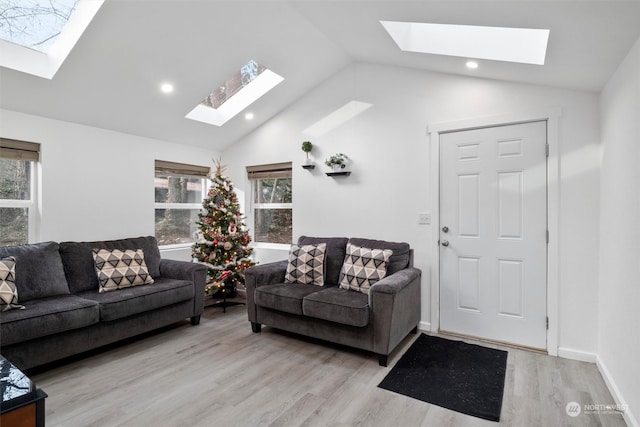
111, 79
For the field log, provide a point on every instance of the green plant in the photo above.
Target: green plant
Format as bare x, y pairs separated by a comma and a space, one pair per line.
337, 159
307, 146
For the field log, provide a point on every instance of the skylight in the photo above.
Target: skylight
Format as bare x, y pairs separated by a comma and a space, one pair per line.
523, 45
35, 24
36, 36
241, 90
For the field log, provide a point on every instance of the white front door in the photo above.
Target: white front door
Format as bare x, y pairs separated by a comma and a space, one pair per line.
493, 233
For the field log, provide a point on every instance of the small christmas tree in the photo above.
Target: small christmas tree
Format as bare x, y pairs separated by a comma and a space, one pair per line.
222, 242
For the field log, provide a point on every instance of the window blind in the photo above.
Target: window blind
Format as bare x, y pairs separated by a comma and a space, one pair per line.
272, 170
181, 169
19, 150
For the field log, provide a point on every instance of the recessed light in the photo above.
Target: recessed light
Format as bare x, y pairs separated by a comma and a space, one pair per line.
471, 65
166, 88
248, 116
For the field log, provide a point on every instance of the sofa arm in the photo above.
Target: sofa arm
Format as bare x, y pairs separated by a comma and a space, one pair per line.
261, 275
395, 303
191, 271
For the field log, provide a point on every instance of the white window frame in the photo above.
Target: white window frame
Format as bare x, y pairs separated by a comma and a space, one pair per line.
33, 213
206, 183
256, 173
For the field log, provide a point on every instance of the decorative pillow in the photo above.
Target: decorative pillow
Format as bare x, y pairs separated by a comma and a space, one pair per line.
306, 264
363, 267
118, 269
8, 290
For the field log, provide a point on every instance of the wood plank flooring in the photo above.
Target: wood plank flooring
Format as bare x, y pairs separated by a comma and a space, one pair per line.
219, 373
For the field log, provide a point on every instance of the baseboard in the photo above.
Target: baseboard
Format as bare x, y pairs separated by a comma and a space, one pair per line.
424, 326
629, 418
583, 356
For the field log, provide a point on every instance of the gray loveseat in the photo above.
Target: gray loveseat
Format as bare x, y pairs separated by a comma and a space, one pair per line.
376, 322
65, 314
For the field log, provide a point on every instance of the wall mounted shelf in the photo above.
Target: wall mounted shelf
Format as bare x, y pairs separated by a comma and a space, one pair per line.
345, 173
308, 166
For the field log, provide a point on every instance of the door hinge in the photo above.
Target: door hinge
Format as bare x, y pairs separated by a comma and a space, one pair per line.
547, 150
547, 237
547, 323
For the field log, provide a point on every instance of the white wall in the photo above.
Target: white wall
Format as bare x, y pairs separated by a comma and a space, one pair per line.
619, 292
96, 184
390, 164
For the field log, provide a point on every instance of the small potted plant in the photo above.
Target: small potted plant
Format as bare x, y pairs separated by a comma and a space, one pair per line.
307, 146
337, 162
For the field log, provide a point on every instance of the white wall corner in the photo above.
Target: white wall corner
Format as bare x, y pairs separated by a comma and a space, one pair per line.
629, 417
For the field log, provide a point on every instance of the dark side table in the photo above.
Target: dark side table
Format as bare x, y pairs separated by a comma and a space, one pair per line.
22, 402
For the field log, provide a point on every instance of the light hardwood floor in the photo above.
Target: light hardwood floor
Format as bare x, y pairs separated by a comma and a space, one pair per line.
219, 373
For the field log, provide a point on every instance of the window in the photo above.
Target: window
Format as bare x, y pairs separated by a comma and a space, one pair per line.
18, 213
179, 192
272, 203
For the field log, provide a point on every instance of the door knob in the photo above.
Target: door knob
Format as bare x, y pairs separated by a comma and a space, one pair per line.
445, 229
445, 243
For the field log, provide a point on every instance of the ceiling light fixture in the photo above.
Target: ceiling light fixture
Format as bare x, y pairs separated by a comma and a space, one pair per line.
166, 88
472, 65
249, 116
523, 45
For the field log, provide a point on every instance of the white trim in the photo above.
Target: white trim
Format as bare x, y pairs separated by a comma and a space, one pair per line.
267, 245
175, 246
629, 417
272, 206
185, 206
552, 116
424, 326
573, 354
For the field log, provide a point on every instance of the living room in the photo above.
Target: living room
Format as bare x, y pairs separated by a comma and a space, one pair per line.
102, 123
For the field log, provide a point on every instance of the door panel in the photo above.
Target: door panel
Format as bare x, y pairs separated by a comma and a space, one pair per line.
493, 253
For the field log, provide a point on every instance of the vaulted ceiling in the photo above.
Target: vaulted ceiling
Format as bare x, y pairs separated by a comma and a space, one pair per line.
111, 78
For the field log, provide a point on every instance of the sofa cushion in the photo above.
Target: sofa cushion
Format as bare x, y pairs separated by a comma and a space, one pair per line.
401, 252
284, 296
306, 264
334, 257
79, 266
118, 269
47, 316
338, 305
138, 299
39, 270
363, 267
8, 290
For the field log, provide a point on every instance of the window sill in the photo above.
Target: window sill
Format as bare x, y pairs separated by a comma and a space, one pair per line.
263, 245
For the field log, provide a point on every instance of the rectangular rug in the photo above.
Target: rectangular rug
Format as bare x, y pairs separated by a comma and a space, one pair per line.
463, 377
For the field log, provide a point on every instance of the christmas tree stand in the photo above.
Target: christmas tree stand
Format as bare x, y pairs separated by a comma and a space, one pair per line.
222, 298
224, 304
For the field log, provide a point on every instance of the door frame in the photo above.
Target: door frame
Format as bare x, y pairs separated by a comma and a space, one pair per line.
434, 130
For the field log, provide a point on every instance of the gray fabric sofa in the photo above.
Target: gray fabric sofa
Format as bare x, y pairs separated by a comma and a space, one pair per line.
66, 315
376, 322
